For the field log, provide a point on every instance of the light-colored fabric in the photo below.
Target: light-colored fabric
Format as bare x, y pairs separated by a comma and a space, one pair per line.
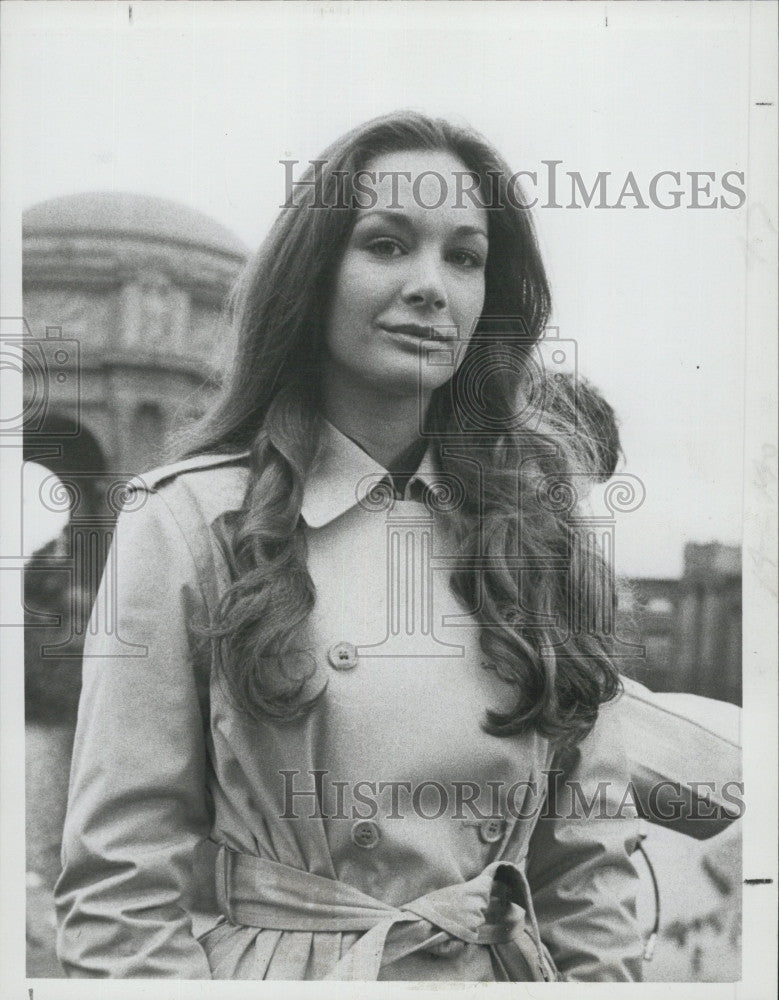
487, 910
685, 759
343, 474
149, 781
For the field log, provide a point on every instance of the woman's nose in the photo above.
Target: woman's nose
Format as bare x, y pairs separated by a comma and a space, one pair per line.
425, 286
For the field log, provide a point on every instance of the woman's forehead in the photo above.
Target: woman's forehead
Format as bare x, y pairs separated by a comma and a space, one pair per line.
418, 181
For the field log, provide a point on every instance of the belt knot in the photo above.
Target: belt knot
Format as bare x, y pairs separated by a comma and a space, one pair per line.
490, 909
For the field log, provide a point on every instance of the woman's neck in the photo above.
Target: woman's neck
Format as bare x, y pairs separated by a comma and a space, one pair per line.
386, 427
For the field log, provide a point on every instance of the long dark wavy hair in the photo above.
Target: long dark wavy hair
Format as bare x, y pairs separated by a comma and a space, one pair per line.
544, 628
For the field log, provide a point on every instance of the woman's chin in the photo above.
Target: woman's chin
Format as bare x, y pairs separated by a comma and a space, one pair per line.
399, 382
393, 376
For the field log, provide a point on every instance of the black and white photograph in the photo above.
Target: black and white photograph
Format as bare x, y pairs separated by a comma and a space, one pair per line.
389, 453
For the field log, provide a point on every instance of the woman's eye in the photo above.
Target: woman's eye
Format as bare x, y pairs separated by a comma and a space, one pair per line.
385, 247
466, 258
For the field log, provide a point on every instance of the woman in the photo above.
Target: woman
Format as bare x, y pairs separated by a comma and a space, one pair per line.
355, 631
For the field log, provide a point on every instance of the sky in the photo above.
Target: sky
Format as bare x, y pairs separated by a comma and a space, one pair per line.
201, 102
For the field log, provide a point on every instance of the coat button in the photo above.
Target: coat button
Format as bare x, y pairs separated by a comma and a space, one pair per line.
491, 830
366, 834
343, 656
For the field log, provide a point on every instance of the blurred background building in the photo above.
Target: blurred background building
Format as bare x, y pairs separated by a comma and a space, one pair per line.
124, 300
140, 283
691, 627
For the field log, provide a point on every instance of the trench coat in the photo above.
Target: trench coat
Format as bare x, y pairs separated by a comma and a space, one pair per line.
355, 839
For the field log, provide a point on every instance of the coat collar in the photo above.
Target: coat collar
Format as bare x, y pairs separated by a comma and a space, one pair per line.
342, 474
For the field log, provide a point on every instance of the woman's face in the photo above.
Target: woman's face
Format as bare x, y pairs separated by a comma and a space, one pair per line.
410, 273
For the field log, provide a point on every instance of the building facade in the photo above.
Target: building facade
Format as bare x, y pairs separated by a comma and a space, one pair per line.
123, 303
691, 627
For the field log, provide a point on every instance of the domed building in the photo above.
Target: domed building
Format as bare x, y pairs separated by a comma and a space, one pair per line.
123, 303
125, 339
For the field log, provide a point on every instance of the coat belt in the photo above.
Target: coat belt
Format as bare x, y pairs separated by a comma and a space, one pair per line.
258, 892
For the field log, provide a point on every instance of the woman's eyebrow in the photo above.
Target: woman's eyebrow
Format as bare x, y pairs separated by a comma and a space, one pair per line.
367, 214
400, 217
471, 231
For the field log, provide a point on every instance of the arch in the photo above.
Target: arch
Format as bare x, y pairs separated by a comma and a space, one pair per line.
77, 459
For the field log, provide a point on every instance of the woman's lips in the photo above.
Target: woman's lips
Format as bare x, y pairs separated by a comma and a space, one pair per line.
417, 331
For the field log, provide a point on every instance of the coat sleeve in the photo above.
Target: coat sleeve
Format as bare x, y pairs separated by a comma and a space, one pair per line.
137, 803
667, 781
582, 880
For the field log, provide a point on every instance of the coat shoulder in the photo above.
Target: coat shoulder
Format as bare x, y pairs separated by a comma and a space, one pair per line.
214, 484
152, 481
